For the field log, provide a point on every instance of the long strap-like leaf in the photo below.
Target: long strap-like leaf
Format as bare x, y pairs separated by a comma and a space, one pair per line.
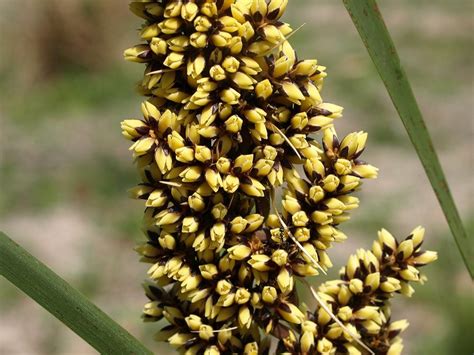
370, 24
64, 302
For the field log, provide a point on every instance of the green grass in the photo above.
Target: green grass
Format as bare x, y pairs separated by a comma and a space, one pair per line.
73, 91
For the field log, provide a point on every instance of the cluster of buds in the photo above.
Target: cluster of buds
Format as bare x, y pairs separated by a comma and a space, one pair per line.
357, 306
227, 131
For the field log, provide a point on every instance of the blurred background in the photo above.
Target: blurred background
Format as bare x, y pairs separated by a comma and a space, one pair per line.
65, 167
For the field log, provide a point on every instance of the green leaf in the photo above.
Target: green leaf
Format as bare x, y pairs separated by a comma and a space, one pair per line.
371, 27
64, 302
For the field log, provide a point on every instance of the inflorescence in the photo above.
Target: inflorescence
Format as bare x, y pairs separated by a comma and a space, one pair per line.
241, 199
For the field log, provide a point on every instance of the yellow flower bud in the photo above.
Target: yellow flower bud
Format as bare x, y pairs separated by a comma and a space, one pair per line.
251, 348
243, 163
221, 39
190, 225
230, 96
185, 154
223, 287
193, 321
256, 115
140, 191
143, 146
373, 281
206, 332
209, 9
239, 10
175, 141
276, 8
238, 225
198, 39
291, 204
242, 296
210, 350
242, 80
167, 241
213, 179
349, 183
235, 44
290, 313
231, 64
405, 249
330, 110
233, 124
425, 258
280, 257
217, 73
324, 346
166, 217
250, 66
368, 312
202, 153
131, 128
208, 271
202, 23
191, 174
190, 283
365, 171
179, 339
260, 262
352, 266
300, 219
263, 89
170, 25
272, 34
138, 54
218, 231
345, 313
398, 326
152, 309
387, 239
285, 281
219, 211
293, 92
390, 285
343, 167
196, 202
254, 221
244, 317
189, 11
209, 132
196, 66
322, 217
395, 348
410, 274
417, 236
269, 294
252, 187
173, 9
178, 43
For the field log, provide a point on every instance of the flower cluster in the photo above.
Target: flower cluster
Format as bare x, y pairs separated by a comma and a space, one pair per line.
241, 199
358, 304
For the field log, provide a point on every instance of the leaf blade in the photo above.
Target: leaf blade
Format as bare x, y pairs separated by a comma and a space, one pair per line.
369, 22
64, 302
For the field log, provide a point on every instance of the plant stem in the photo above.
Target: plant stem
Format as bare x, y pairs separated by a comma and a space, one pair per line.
372, 29
64, 302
